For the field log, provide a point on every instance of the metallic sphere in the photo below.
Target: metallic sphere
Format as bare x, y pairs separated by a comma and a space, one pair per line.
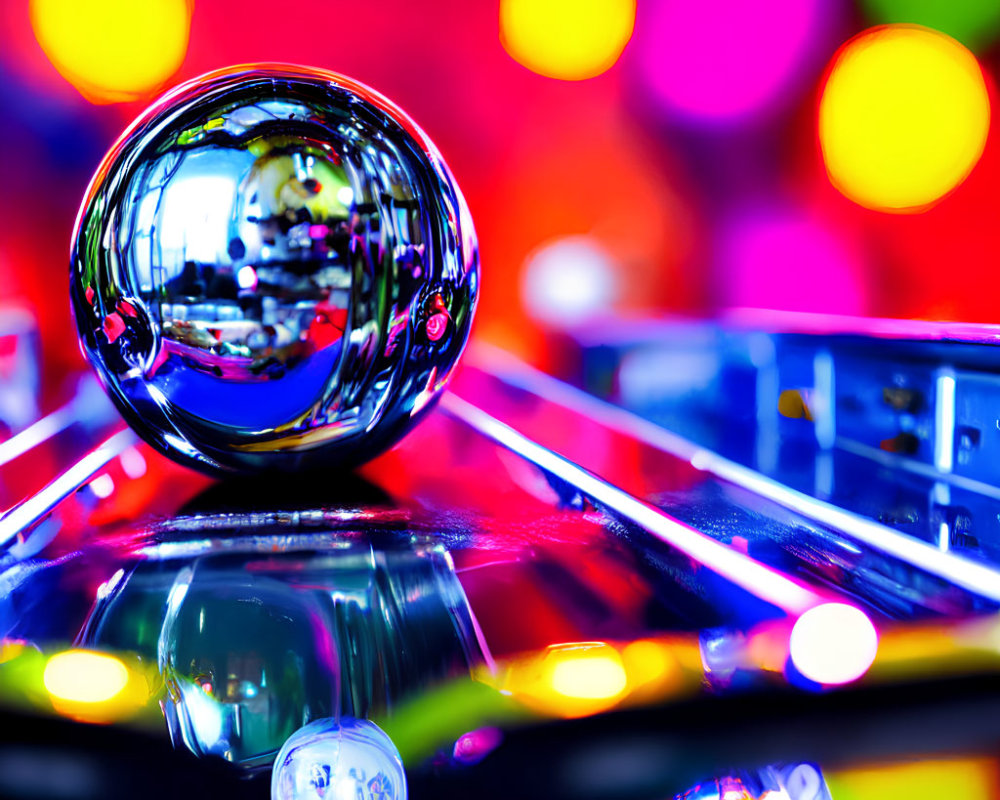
339, 758
273, 269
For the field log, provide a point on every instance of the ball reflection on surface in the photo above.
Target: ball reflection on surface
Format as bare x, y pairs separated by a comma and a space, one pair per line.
269, 267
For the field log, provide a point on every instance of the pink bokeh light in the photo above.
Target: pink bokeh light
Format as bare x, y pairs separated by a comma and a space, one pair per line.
790, 261
717, 61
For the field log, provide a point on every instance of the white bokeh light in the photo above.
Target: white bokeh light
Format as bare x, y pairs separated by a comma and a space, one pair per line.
568, 281
345, 196
833, 643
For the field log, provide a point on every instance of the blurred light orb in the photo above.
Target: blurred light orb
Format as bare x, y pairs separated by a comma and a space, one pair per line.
647, 661
715, 63
81, 676
590, 676
133, 463
273, 269
567, 39
568, 281
349, 758
833, 643
113, 51
474, 746
94, 687
975, 23
903, 117
246, 277
570, 679
103, 486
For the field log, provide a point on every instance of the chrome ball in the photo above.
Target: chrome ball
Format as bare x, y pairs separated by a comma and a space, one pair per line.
339, 758
273, 269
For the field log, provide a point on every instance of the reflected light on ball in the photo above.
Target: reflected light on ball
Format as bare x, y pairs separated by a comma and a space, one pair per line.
834, 643
113, 51
714, 63
345, 196
246, 278
567, 39
903, 117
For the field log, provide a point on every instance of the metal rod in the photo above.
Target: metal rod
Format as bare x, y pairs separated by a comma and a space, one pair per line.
974, 577
32, 510
760, 580
37, 432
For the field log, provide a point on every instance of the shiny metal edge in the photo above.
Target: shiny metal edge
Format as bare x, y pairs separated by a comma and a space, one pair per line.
978, 578
764, 582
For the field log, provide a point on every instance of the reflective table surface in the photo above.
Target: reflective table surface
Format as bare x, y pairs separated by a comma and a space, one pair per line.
535, 594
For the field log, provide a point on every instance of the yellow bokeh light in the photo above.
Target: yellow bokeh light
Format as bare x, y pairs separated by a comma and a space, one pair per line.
113, 50
649, 662
924, 780
589, 677
903, 117
81, 676
97, 687
11, 649
567, 39
573, 679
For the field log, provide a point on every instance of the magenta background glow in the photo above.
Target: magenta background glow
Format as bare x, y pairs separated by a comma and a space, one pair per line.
719, 60
788, 260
